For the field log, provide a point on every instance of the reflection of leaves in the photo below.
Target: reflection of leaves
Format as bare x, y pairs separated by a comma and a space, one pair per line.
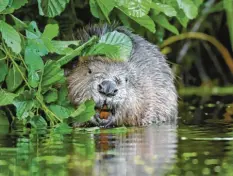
51, 8
6, 97
3, 118
11, 37
24, 104
38, 122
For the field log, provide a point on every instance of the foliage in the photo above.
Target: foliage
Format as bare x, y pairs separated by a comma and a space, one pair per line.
33, 80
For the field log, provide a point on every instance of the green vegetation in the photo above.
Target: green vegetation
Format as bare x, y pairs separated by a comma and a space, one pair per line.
36, 44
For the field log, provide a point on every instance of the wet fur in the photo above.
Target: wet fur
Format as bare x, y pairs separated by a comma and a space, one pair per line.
148, 96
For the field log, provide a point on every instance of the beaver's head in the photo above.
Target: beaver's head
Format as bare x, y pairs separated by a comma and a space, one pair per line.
106, 81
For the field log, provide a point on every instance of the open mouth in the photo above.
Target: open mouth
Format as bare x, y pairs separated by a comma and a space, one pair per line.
104, 112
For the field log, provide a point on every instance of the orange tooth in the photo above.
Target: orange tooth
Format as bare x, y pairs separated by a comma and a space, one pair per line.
104, 114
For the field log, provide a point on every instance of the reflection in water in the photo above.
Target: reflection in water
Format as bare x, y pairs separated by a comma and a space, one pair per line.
137, 151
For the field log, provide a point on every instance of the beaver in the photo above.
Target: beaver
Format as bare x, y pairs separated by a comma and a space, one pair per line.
135, 92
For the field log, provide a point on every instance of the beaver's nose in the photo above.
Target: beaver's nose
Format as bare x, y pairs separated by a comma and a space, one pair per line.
108, 88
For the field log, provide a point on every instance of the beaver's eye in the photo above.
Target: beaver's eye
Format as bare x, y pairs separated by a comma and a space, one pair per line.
126, 80
89, 71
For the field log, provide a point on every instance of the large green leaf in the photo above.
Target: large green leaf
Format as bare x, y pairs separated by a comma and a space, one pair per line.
84, 112
24, 104
51, 8
114, 45
11, 37
51, 96
3, 70
6, 97
13, 5
106, 7
35, 65
95, 10
62, 47
190, 9
3, 4
165, 8
32, 32
14, 78
60, 111
50, 31
16, 4
182, 18
163, 21
52, 74
144, 21
135, 8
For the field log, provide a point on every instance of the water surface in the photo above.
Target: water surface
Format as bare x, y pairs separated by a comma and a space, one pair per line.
168, 149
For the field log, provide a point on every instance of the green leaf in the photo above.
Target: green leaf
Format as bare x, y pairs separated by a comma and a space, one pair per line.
19, 25
95, 10
38, 122
63, 95
60, 111
62, 47
51, 96
3, 119
135, 8
16, 4
3, 4
35, 65
33, 60
146, 22
182, 18
32, 31
11, 37
24, 104
6, 97
51, 8
3, 70
106, 7
52, 74
163, 21
14, 78
84, 112
51, 31
165, 8
114, 45
190, 9
77, 52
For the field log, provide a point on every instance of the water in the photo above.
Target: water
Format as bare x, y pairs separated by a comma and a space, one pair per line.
187, 150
